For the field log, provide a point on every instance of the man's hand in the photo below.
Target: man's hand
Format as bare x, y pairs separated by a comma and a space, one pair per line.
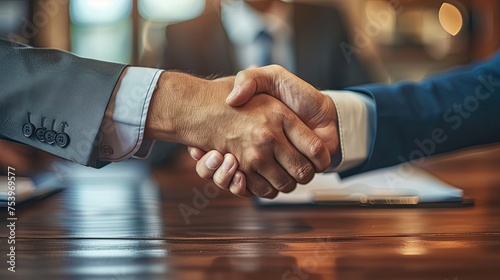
274, 149
316, 110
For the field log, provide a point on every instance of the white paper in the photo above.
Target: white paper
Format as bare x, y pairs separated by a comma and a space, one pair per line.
399, 180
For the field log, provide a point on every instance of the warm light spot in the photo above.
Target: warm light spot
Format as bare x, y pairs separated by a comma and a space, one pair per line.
450, 18
413, 247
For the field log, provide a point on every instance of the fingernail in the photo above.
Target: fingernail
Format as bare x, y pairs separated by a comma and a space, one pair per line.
236, 179
233, 93
227, 164
192, 154
212, 161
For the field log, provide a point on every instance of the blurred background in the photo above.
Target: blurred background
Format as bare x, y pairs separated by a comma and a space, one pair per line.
390, 40
395, 39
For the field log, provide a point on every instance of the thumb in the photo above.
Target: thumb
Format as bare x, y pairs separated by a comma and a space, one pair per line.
196, 153
311, 106
252, 81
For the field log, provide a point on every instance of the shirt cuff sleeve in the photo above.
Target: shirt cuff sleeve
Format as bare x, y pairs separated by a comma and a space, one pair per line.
122, 130
356, 117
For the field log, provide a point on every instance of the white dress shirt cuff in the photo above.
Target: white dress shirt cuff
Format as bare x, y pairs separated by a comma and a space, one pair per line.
122, 130
356, 117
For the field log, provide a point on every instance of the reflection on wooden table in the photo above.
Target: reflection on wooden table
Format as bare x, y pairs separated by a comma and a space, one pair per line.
123, 226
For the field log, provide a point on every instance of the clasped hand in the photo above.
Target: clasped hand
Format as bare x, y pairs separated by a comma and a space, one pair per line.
280, 149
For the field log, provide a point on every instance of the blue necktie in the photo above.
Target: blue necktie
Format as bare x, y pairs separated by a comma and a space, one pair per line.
265, 41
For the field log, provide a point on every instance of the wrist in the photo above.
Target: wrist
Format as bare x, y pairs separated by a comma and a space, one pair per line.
169, 104
182, 105
354, 112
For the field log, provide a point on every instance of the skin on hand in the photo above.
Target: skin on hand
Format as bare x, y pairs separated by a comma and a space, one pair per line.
314, 108
227, 177
272, 147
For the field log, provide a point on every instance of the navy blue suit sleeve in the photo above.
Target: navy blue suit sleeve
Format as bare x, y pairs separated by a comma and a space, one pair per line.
454, 110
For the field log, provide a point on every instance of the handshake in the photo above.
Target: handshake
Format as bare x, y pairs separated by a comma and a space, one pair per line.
273, 130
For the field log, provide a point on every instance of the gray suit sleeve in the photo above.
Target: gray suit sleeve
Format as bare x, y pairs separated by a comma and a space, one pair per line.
68, 92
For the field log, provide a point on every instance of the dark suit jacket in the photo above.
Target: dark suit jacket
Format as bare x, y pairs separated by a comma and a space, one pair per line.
201, 46
60, 87
457, 109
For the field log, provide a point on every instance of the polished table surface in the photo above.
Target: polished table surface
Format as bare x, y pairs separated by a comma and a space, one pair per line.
126, 226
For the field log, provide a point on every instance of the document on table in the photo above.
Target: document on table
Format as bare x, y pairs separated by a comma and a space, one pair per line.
403, 184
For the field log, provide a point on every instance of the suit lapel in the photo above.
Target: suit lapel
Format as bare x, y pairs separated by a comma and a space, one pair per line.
309, 60
219, 48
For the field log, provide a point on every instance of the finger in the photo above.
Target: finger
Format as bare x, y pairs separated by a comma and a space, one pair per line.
242, 91
302, 98
294, 162
224, 174
196, 153
208, 164
271, 171
259, 186
252, 81
238, 185
307, 142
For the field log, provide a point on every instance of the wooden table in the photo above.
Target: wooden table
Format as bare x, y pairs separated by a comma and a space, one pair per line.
102, 228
